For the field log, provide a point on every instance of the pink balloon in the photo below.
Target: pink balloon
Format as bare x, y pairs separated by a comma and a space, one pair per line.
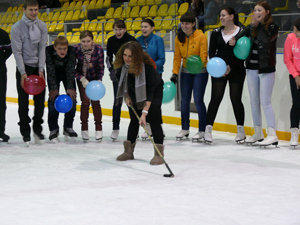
34, 85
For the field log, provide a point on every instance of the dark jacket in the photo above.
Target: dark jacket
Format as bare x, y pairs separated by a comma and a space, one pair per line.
266, 40
5, 47
60, 68
154, 85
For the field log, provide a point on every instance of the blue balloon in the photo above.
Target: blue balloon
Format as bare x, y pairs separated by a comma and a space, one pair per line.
63, 103
216, 67
95, 90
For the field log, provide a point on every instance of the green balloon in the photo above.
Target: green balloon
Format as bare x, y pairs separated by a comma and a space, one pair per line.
194, 64
242, 48
169, 92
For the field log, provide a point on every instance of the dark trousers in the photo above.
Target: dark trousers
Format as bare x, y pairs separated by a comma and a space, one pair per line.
23, 103
3, 85
295, 110
53, 113
153, 117
116, 108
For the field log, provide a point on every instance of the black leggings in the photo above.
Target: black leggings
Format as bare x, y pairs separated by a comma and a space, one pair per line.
295, 110
217, 93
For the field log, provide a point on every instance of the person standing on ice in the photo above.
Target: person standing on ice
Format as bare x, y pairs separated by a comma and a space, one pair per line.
261, 67
28, 43
142, 87
5, 52
219, 46
190, 41
60, 64
114, 43
90, 66
292, 61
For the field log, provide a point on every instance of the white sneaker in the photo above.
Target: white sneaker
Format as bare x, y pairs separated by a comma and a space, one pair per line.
208, 134
199, 135
85, 135
145, 135
258, 135
294, 137
99, 135
182, 133
240, 136
114, 134
271, 139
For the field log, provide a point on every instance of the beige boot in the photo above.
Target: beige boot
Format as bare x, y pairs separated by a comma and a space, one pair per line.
157, 160
128, 151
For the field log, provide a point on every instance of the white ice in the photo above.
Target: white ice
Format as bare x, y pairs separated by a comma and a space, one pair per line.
219, 184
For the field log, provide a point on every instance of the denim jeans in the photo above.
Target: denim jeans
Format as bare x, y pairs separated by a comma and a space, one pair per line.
197, 84
260, 88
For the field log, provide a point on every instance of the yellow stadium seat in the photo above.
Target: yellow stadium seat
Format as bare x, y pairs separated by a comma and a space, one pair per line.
55, 17
60, 26
62, 16
83, 15
141, 2
69, 36
14, 18
241, 18
8, 28
3, 18
183, 8
167, 23
86, 4
93, 25
61, 34
206, 33
126, 12
161, 33
106, 4
71, 6
117, 13
248, 19
20, 16
158, 2
157, 23
52, 27
132, 3
65, 6
131, 32
99, 25
108, 15
20, 9
109, 25
153, 11
218, 24
39, 15
92, 4
76, 15
135, 11
173, 9
48, 24
14, 9
138, 34
150, 2
286, 7
144, 11
99, 4
49, 16
84, 26
8, 18
78, 5
69, 16
128, 23
4, 26
98, 39
9, 9
136, 25
0, 18
162, 11
75, 38
110, 34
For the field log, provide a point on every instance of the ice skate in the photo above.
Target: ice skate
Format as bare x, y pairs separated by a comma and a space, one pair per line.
85, 135
26, 140
114, 135
294, 137
271, 139
198, 136
182, 134
99, 135
258, 136
4, 137
241, 136
145, 135
70, 134
38, 138
53, 137
208, 134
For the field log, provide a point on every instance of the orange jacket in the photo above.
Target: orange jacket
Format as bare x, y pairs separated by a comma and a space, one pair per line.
195, 44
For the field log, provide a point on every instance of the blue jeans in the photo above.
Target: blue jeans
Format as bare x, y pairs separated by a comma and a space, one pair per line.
197, 84
260, 88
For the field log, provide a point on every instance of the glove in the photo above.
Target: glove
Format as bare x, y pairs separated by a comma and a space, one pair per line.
112, 75
174, 78
84, 82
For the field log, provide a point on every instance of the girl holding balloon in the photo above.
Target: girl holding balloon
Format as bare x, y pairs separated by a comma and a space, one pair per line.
234, 73
260, 66
189, 42
90, 66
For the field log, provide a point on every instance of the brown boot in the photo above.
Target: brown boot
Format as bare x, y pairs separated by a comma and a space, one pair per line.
128, 151
157, 160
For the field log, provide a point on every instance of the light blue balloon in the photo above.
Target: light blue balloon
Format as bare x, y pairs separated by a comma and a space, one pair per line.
216, 67
95, 90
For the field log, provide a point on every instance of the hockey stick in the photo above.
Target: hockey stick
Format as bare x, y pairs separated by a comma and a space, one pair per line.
155, 147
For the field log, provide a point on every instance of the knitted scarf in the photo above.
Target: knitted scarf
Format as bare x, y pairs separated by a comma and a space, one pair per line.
87, 54
34, 31
140, 87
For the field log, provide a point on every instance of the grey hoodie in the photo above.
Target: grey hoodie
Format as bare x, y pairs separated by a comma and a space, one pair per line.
24, 50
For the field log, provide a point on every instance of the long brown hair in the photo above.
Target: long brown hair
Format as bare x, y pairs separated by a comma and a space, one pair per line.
138, 57
268, 19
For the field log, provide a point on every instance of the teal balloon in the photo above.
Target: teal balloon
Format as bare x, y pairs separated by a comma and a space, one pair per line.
216, 67
169, 92
194, 64
242, 48
95, 90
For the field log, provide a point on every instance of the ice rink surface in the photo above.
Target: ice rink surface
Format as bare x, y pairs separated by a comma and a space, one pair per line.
82, 183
